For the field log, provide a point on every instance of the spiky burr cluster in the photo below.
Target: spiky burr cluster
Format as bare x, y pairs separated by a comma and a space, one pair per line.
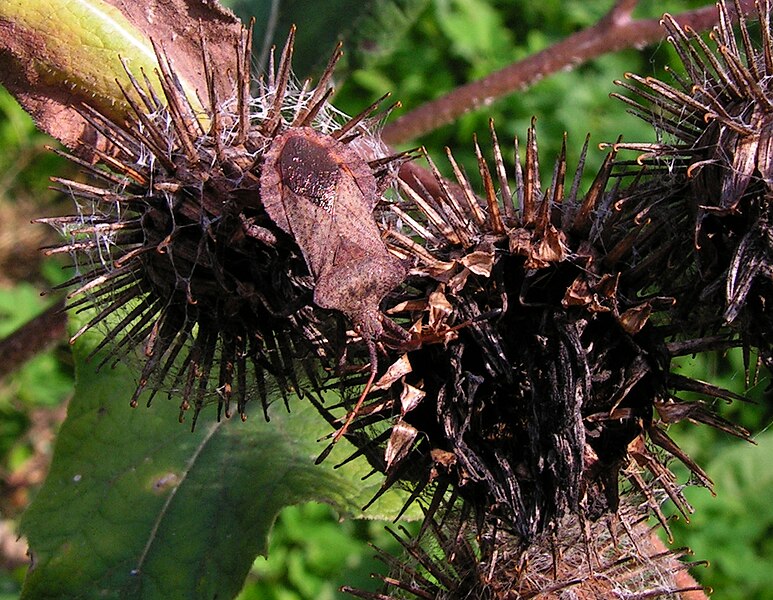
539, 368
715, 119
525, 368
559, 313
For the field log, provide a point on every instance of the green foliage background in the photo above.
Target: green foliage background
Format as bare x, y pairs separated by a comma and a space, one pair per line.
418, 50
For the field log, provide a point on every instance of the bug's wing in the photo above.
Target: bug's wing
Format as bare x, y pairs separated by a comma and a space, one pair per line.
299, 184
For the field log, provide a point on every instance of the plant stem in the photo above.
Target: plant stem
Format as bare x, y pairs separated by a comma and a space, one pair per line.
615, 31
32, 338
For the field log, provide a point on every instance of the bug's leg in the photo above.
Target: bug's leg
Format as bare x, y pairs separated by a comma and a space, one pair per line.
373, 369
394, 330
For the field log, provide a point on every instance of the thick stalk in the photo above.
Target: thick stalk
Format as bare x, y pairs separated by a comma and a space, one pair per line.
33, 337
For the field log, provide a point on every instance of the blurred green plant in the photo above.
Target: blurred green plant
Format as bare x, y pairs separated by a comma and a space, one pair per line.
733, 530
25, 163
312, 553
45, 381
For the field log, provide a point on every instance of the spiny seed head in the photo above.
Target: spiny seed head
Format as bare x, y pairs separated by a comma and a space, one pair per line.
189, 235
715, 120
617, 557
544, 321
537, 373
525, 345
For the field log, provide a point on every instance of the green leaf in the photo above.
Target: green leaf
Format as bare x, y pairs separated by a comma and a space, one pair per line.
79, 49
82, 44
379, 34
58, 54
476, 31
137, 506
318, 29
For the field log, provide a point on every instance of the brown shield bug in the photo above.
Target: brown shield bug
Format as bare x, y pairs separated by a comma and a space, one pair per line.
322, 192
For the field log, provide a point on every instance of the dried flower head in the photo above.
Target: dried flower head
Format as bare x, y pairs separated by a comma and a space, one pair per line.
545, 321
538, 369
715, 120
544, 327
615, 557
220, 237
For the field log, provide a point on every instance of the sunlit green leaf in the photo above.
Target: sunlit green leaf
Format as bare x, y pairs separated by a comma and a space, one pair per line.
81, 44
